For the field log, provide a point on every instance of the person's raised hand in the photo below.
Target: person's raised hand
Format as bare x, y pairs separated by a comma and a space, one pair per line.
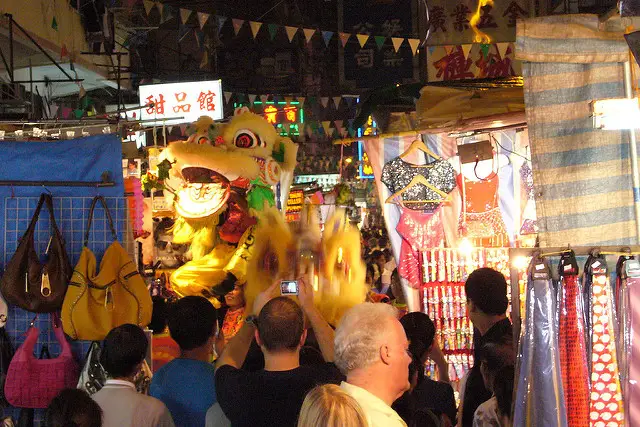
305, 293
264, 297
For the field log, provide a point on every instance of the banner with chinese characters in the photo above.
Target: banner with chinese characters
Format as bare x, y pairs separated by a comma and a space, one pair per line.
374, 61
472, 61
181, 102
469, 21
286, 117
294, 206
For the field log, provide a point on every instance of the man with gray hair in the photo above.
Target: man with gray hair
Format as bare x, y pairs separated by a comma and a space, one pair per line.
372, 350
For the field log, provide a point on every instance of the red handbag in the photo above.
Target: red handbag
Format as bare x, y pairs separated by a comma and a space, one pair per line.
33, 383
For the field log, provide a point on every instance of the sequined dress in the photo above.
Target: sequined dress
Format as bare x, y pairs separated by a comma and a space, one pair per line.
397, 174
420, 224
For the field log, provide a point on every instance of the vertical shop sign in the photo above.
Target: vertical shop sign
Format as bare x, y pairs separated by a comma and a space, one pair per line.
294, 206
370, 65
174, 103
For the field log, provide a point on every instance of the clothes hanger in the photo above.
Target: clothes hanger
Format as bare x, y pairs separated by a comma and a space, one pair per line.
419, 179
418, 144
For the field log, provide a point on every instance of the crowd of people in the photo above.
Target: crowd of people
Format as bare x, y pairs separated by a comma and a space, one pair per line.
286, 366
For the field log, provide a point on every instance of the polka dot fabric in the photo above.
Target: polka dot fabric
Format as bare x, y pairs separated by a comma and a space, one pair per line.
573, 356
607, 408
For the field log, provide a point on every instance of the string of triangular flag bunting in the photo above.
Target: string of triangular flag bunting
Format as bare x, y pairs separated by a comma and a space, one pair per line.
291, 31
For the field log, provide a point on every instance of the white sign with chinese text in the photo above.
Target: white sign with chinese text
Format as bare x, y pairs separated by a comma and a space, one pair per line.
175, 103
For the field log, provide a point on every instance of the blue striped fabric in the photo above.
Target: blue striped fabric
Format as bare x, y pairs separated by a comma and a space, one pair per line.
581, 175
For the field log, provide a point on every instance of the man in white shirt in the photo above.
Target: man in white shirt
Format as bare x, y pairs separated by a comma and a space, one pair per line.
122, 355
372, 350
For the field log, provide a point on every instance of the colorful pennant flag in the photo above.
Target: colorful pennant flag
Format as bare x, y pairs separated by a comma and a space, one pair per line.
362, 38
338, 124
448, 49
414, 43
324, 101
227, 96
326, 125
301, 100
484, 48
264, 98
502, 49
344, 38
185, 14
255, 28
220, 20
199, 38
466, 49
327, 36
54, 24
148, 5
380, 40
336, 101
308, 33
166, 14
203, 18
273, 30
291, 32
397, 42
160, 7
237, 25
252, 98
205, 60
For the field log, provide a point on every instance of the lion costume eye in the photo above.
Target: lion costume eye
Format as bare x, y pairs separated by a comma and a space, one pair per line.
247, 139
203, 140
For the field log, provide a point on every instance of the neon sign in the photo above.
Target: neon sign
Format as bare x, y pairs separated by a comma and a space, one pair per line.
365, 170
287, 118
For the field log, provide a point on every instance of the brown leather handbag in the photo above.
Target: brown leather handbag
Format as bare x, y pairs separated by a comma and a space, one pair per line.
30, 284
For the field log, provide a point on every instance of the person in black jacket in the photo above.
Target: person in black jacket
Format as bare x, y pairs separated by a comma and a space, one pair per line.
487, 304
428, 395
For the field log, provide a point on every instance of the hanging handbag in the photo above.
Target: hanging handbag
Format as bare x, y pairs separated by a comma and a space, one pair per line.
98, 301
26, 282
93, 375
33, 383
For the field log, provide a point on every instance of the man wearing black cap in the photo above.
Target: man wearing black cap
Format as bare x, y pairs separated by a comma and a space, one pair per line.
487, 306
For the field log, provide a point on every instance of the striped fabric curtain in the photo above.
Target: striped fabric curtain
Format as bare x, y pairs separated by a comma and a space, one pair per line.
582, 176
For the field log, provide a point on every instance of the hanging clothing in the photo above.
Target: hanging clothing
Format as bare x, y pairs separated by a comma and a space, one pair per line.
481, 218
398, 174
539, 399
606, 394
573, 354
630, 368
529, 217
420, 232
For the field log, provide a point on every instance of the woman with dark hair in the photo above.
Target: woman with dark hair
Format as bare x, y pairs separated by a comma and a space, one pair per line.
73, 408
497, 368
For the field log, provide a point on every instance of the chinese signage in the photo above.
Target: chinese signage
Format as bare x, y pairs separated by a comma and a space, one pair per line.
472, 61
469, 21
181, 102
378, 63
294, 205
286, 117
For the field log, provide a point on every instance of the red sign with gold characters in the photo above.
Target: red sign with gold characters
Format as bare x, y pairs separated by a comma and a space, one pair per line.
174, 103
472, 61
294, 205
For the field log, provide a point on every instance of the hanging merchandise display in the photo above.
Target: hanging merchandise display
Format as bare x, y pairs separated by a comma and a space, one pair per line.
29, 284
630, 339
539, 396
481, 218
100, 299
33, 383
606, 394
573, 350
420, 190
529, 221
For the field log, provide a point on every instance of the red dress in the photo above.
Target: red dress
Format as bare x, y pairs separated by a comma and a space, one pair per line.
420, 231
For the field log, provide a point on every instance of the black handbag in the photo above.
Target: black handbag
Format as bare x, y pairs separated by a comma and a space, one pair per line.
30, 284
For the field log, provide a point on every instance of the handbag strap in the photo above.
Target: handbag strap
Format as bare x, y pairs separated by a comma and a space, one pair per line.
44, 199
107, 213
